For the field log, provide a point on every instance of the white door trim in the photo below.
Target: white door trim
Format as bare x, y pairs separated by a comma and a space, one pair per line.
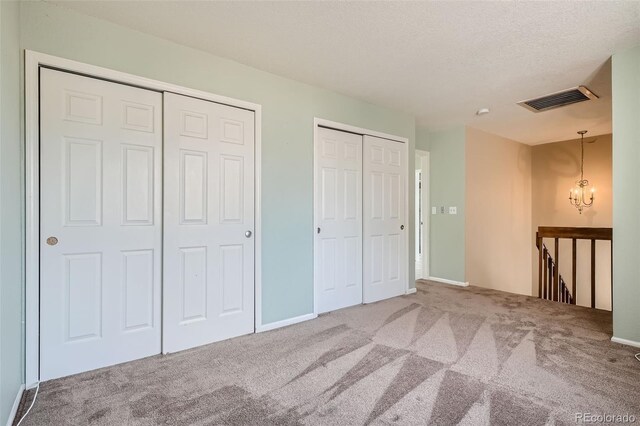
321, 122
425, 164
33, 62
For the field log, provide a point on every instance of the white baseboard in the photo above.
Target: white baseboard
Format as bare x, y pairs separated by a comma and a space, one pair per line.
411, 290
16, 404
284, 323
446, 281
625, 342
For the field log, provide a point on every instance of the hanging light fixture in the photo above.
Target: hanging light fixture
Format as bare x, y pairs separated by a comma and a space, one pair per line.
580, 196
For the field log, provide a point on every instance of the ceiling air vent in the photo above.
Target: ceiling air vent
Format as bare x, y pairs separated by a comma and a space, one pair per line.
559, 99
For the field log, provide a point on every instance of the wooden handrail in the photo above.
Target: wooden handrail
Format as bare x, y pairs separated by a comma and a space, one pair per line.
579, 233
551, 285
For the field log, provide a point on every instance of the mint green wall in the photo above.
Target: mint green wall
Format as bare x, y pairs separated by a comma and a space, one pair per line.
422, 138
288, 109
11, 234
447, 188
626, 195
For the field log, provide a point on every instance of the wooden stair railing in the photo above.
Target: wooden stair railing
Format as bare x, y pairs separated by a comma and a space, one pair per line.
564, 295
551, 285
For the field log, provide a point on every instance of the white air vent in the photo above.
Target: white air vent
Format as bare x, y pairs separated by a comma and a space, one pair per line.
559, 99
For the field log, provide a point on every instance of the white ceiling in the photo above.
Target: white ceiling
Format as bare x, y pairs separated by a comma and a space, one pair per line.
439, 61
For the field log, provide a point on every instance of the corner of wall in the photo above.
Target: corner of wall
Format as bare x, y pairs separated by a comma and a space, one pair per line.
11, 229
625, 79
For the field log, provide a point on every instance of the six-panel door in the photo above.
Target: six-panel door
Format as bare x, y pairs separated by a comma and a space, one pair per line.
338, 205
385, 233
209, 222
100, 223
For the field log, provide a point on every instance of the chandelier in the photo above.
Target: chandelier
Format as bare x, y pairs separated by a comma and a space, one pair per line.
580, 196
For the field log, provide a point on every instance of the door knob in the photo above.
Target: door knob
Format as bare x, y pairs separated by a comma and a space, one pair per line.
247, 234
401, 227
52, 241
318, 230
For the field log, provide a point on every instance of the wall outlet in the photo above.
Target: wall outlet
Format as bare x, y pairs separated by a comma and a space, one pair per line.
442, 210
453, 210
434, 210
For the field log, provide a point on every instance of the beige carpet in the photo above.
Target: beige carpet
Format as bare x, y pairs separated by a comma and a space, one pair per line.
445, 355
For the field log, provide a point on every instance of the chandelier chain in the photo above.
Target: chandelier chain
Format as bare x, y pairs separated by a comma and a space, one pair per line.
582, 157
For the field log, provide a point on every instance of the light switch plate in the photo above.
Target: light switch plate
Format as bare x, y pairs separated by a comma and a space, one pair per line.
453, 210
442, 210
434, 210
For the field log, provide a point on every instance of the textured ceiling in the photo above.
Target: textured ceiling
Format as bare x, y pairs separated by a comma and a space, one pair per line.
439, 61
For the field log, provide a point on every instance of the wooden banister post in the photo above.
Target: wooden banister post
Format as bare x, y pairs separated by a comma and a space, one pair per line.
593, 273
539, 245
574, 272
556, 270
546, 272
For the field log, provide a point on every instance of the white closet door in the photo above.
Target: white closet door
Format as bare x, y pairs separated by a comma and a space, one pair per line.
385, 232
100, 229
208, 223
338, 213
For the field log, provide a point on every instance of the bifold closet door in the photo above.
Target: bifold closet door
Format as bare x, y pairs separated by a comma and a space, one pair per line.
208, 222
338, 213
100, 223
385, 232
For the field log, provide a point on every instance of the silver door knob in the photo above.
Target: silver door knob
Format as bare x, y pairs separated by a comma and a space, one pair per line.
247, 234
52, 241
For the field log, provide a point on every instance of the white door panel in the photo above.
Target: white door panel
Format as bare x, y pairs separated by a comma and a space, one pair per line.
208, 223
100, 197
338, 213
385, 233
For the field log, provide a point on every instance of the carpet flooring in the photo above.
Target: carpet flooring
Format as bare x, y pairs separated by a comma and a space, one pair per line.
444, 355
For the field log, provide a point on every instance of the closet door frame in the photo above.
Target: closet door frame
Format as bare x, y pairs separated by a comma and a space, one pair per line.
34, 61
320, 123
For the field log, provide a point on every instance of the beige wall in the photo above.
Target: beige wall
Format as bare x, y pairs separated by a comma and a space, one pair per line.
498, 219
511, 189
556, 168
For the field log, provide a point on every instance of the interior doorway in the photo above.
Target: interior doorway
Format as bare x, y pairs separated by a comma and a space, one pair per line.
422, 214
